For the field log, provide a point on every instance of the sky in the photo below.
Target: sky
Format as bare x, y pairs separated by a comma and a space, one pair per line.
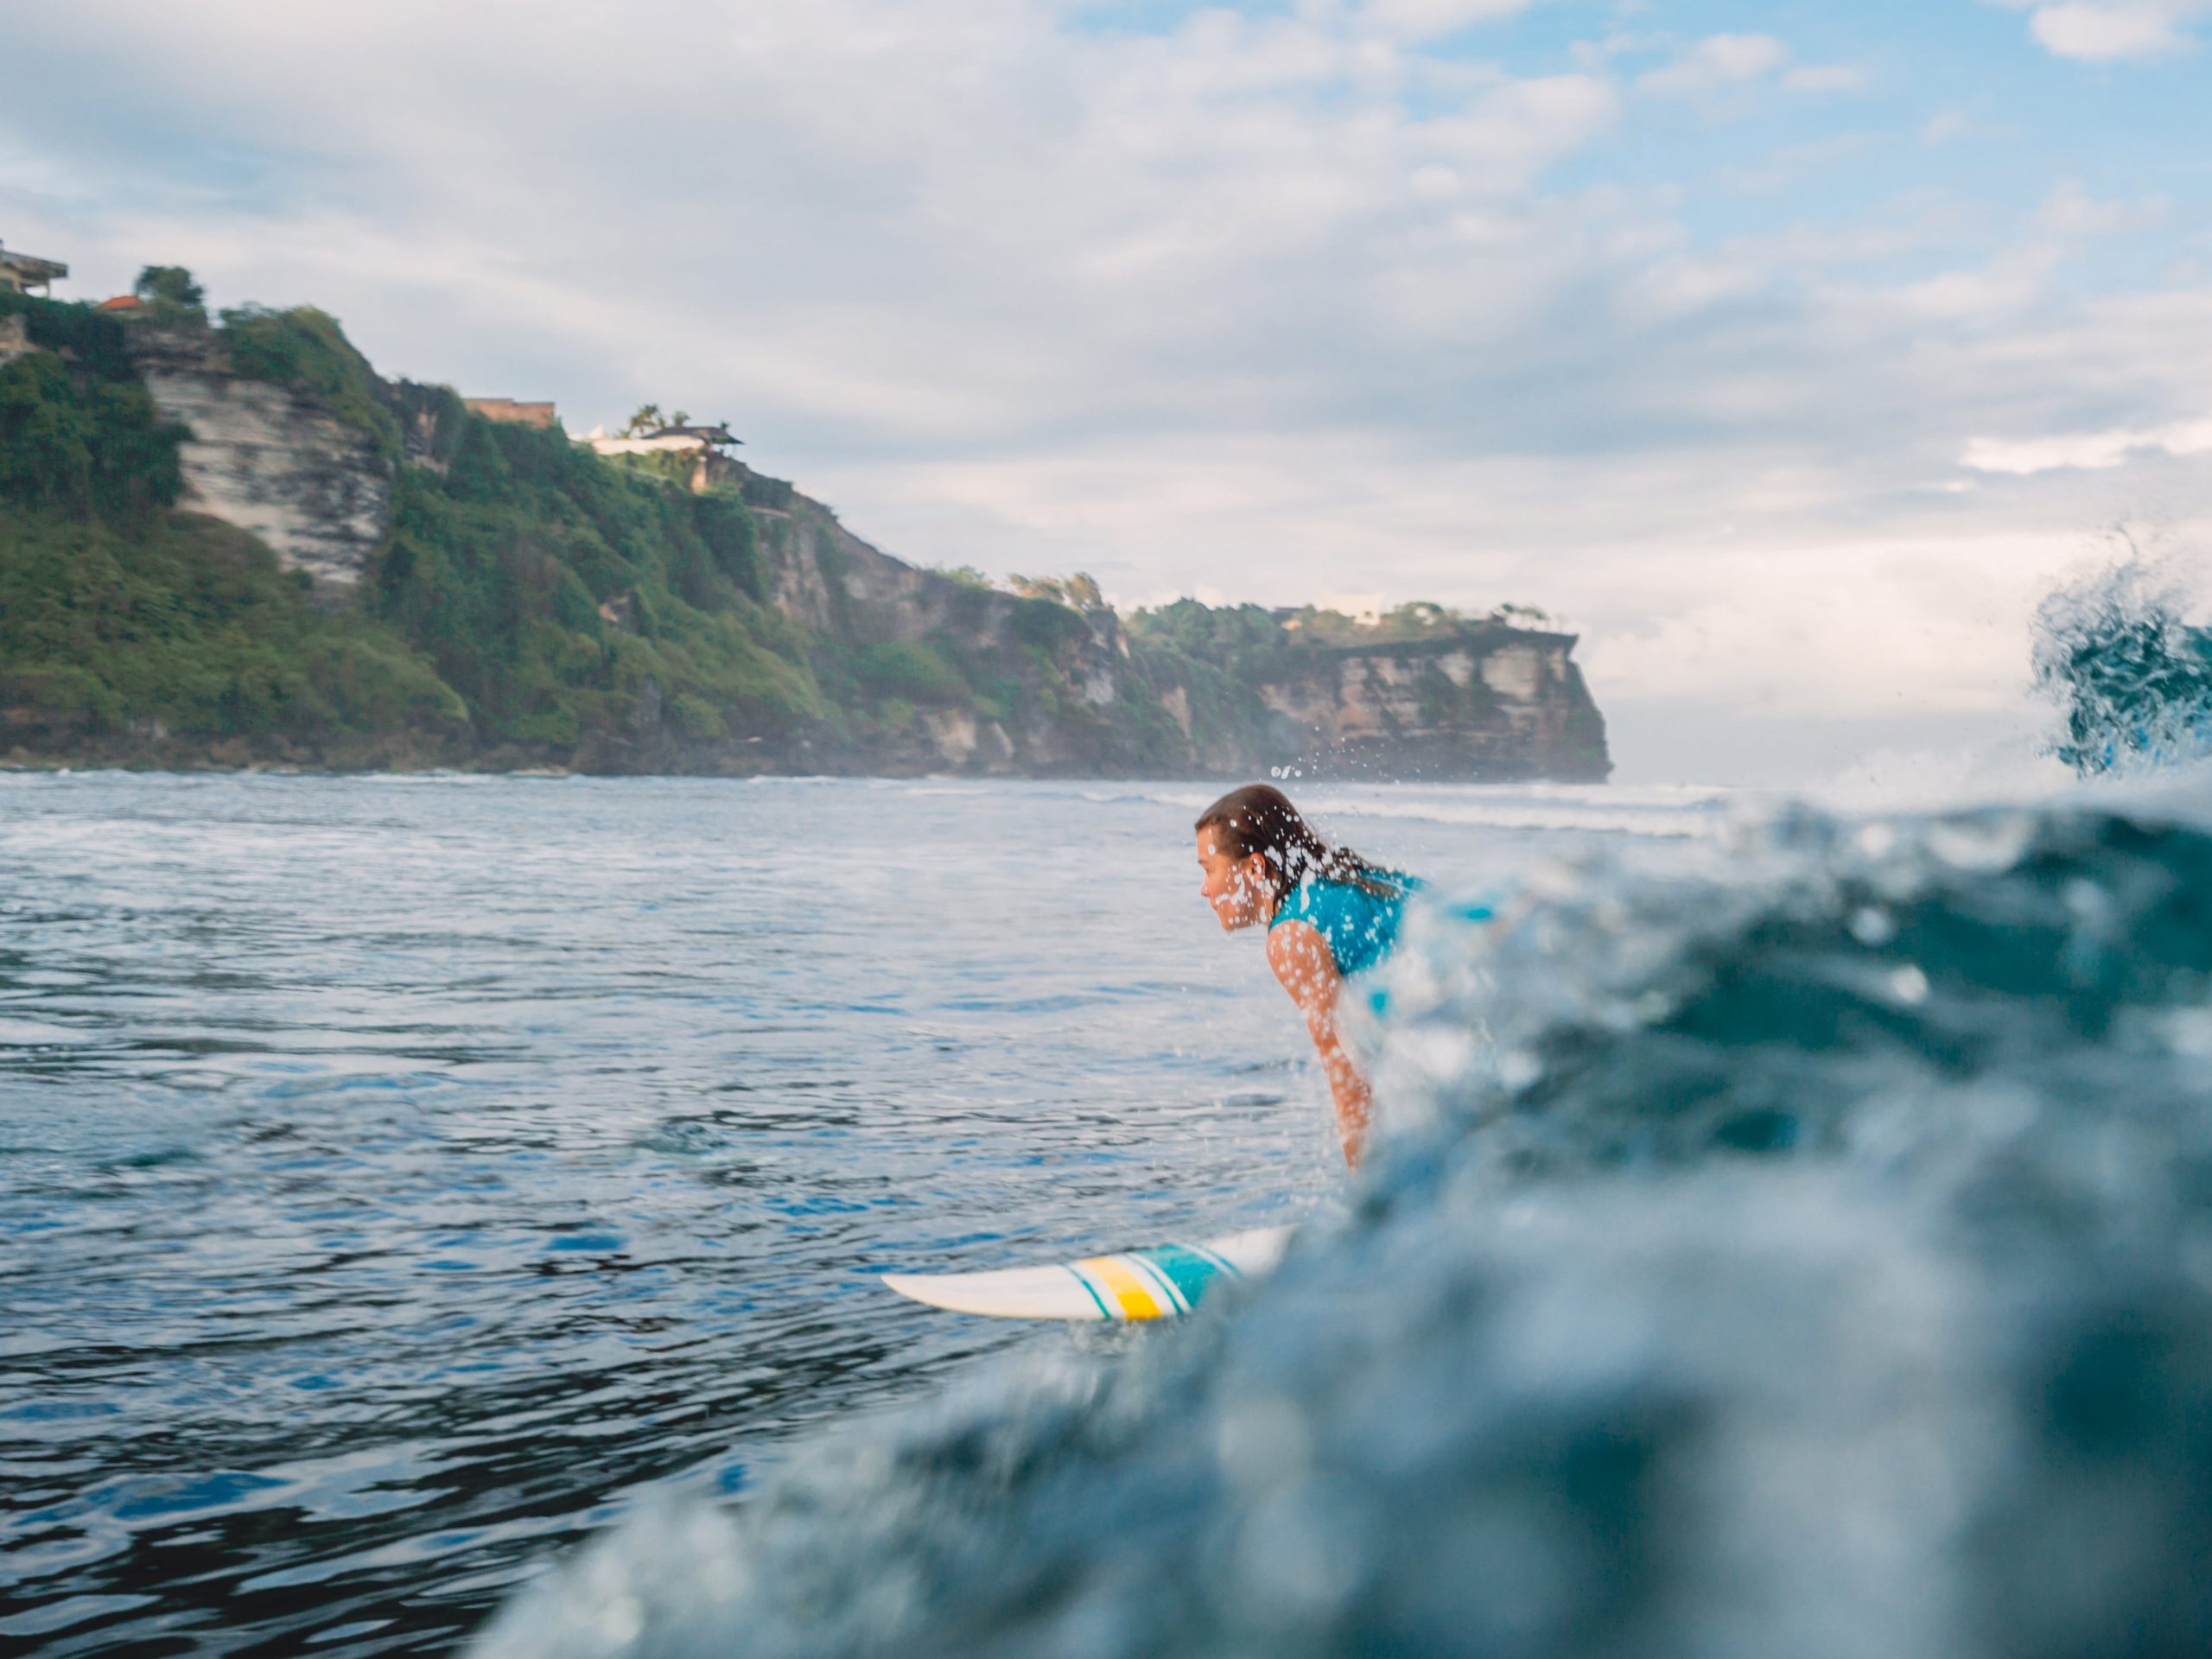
1790, 353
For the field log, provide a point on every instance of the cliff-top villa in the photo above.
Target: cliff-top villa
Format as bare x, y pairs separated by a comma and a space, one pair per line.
19, 274
707, 447
23, 272
663, 440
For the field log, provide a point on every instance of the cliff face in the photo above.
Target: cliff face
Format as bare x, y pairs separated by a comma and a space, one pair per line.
575, 611
270, 458
1059, 673
1490, 704
1494, 704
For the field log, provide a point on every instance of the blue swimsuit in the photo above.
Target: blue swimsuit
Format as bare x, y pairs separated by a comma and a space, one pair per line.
1359, 927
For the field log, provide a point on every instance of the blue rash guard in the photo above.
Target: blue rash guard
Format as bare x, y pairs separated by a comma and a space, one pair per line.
1359, 927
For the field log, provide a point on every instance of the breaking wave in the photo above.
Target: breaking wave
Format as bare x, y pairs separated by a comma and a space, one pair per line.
2130, 673
1812, 1255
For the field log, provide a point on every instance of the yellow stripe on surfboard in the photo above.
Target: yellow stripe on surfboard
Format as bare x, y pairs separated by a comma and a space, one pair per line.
1132, 1296
1152, 1284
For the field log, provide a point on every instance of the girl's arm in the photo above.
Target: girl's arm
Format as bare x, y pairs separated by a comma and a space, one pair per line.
1301, 960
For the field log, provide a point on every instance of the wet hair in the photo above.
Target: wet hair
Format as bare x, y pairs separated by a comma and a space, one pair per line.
1259, 818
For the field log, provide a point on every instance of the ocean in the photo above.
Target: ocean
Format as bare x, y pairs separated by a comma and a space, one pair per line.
407, 1180
1793, 1238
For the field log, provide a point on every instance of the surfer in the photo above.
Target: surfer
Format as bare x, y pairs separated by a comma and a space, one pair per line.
1328, 913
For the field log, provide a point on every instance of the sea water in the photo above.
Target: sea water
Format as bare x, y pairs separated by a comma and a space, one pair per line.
1793, 1238
402, 1180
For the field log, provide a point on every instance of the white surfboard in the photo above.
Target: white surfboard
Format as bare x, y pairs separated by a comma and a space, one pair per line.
1160, 1283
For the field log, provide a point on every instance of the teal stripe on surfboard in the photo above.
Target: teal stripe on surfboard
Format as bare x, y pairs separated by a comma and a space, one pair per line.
1172, 1296
1186, 1268
1105, 1311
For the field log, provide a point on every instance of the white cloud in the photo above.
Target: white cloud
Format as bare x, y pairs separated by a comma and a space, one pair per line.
2103, 30
1791, 163
1430, 19
1715, 64
2089, 451
1826, 77
1919, 611
2071, 213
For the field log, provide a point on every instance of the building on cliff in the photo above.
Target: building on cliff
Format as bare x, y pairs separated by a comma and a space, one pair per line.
706, 446
512, 412
23, 272
19, 274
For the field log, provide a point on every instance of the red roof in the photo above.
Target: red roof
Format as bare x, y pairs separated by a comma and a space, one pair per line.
120, 303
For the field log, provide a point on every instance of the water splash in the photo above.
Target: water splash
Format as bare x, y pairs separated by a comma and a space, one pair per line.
2131, 675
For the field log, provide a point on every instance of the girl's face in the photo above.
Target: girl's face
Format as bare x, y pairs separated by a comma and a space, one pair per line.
1237, 888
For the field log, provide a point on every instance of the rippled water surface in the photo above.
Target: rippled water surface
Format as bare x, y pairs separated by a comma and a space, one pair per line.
397, 1175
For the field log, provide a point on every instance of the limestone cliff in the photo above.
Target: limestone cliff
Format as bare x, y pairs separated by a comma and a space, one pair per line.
1423, 693
1052, 676
1492, 703
269, 457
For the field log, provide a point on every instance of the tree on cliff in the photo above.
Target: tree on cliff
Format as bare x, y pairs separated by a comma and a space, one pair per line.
650, 419
169, 285
1079, 590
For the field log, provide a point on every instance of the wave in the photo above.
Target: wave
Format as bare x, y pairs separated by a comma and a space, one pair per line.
2132, 674
1808, 1255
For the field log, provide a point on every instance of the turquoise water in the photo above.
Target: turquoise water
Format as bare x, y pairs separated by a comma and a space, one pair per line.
402, 1180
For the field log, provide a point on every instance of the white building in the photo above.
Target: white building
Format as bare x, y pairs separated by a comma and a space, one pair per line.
23, 272
666, 440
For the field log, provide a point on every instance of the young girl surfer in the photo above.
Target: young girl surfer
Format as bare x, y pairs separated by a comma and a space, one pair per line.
1328, 913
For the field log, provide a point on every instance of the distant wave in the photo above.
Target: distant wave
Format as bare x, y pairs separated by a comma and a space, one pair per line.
1669, 811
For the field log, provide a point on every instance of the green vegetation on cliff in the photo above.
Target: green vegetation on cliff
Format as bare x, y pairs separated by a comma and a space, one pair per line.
304, 347
532, 602
122, 623
574, 603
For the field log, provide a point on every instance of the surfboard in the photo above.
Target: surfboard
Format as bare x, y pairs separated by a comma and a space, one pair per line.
1160, 1283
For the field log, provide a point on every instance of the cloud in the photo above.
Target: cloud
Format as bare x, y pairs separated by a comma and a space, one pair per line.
1825, 78
1715, 64
2091, 451
2103, 30
1275, 305
1431, 19
1793, 163
2069, 212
